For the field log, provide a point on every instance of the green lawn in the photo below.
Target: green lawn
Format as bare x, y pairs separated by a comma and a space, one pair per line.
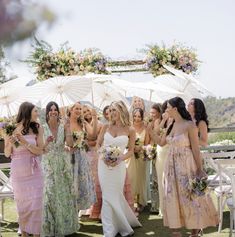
152, 226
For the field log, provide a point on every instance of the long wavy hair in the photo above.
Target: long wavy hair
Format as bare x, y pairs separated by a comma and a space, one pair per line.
24, 117
164, 107
178, 103
124, 114
133, 101
200, 112
158, 108
80, 118
48, 108
83, 107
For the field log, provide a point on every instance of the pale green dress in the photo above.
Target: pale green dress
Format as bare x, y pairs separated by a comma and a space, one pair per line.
59, 204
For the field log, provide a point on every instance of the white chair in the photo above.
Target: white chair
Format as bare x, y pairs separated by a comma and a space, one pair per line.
6, 190
209, 161
220, 179
230, 171
227, 167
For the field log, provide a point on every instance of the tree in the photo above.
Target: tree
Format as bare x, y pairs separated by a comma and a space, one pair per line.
19, 19
4, 68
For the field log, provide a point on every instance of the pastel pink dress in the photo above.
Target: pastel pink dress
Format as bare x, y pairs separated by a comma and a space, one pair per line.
27, 181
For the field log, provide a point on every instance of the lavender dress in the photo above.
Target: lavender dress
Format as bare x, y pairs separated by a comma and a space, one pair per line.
27, 182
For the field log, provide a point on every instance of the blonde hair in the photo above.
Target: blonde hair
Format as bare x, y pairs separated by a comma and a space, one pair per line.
80, 118
124, 114
71, 108
133, 101
86, 106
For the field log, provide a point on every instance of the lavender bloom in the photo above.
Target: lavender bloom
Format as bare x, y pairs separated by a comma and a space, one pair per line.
2, 124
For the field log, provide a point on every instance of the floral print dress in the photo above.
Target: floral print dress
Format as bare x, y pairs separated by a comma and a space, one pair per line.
59, 206
179, 207
82, 174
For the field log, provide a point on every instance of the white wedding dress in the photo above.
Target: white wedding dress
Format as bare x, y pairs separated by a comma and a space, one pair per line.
116, 214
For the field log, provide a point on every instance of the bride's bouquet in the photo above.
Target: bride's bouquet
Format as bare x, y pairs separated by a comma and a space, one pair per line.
111, 155
197, 186
79, 139
150, 152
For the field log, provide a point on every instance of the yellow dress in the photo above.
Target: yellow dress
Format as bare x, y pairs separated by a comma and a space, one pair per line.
136, 169
179, 209
160, 166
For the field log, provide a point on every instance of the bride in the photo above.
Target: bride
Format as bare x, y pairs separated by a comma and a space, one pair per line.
116, 214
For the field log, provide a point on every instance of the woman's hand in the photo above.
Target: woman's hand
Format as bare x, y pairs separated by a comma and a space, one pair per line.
50, 139
69, 149
66, 124
20, 138
201, 174
165, 116
93, 113
9, 140
137, 148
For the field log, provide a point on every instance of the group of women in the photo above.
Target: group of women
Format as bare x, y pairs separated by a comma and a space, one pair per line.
58, 171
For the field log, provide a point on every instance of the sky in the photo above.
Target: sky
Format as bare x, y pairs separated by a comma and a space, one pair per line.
120, 29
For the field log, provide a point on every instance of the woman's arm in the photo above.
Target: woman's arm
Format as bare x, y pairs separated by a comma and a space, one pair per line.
100, 138
67, 134
8, 148
91, 130
194, 141
160, 138
147, 139
203, 134
35, 149
131, 144
95, 124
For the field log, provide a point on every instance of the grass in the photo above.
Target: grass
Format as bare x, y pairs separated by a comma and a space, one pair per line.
152, 226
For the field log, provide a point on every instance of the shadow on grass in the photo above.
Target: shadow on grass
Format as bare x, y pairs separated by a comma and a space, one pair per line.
152, 225
7, 226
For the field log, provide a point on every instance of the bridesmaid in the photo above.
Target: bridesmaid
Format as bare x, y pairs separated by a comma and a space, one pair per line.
91, 118
106, 114
59, 205
155, 115
82, 174
136, 164
183, 208
162, 154
26, 174
197, 110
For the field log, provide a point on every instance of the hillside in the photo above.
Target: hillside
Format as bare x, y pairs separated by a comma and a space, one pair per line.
221, 112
